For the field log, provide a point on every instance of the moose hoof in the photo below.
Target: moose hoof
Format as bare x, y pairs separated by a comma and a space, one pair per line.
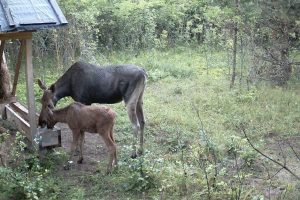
140, 152
66, 167
76, 152
80, 161
133, 156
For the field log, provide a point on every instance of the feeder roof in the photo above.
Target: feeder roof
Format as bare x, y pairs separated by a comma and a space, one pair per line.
30, 15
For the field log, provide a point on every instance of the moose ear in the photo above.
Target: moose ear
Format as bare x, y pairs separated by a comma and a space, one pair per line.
42, 85
52, 88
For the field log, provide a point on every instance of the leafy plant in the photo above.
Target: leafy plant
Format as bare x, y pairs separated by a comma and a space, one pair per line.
142, 176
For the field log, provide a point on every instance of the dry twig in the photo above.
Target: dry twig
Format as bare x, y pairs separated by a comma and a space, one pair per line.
269, 158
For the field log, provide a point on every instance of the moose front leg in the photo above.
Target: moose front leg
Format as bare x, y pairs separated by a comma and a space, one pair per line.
76, 136
81, 142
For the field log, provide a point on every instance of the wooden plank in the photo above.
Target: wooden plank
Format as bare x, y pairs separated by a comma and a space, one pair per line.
29, 86
3, 103
47, 137
16, 35
17, 68
22, 111
20, 123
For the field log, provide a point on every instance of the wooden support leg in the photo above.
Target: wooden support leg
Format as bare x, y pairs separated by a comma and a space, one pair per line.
30, 91
17, 68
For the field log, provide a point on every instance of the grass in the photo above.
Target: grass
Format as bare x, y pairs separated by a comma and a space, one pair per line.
179, 85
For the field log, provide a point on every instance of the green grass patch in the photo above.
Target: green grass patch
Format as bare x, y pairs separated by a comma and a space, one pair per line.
181, 84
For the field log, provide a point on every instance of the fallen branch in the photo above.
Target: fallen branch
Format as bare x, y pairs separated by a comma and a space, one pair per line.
295, 63
296, 154
264, 155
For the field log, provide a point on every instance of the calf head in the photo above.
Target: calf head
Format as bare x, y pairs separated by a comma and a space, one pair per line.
46, 114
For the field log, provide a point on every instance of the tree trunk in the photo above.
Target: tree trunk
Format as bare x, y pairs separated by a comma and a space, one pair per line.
4, 76
235, 33
234, 58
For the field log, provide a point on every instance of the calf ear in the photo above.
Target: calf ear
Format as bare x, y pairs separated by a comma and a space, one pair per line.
42, 85
50, 111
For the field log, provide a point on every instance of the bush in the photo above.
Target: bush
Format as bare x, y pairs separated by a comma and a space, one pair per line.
24, 178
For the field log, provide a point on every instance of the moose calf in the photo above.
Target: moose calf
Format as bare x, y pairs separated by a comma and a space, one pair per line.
81, 118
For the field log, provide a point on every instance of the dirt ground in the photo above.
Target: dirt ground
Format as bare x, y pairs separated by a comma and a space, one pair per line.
94, 150
283, 149
276, 147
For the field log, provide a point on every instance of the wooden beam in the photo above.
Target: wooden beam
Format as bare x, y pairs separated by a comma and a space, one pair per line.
20, 123
15, 35
23, 112
17, 68
30, 90
2, 51
18, 114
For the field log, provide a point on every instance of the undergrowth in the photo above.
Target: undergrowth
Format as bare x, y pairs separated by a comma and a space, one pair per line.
188, 156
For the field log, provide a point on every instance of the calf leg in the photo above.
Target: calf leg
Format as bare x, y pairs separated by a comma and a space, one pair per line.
112, 139
81, 141
112, 151
76, 135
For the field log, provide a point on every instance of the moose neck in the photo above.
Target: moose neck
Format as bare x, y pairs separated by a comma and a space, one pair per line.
62, 88
60, 115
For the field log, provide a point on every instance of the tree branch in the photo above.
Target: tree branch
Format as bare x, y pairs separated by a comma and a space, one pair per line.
295, 63
296, 154
264, 155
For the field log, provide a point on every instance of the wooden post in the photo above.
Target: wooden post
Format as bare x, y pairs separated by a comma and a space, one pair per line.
30, 91
17, 68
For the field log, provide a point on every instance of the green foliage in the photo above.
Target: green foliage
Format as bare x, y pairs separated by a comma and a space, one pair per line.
142, 176
179, 84
238, 146
186, 49
25, 179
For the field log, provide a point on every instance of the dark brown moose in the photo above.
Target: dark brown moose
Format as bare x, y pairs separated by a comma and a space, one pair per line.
81, 118
87, 84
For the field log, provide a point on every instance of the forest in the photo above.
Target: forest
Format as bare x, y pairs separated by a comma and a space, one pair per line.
221, 103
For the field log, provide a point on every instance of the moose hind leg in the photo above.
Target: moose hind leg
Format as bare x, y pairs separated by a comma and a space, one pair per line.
131, 110
141, 119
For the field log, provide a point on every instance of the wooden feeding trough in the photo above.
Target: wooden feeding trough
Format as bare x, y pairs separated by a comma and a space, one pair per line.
19, 19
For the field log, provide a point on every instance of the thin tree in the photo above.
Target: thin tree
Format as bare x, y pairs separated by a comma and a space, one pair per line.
235, 34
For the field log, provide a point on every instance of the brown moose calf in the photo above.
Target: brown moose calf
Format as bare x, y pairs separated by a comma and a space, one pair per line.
81, 118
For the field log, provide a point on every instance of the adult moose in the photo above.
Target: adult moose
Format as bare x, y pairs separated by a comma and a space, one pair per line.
87, 84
